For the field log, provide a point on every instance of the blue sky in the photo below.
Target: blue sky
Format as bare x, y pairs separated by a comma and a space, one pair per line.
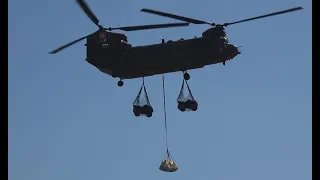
67, 120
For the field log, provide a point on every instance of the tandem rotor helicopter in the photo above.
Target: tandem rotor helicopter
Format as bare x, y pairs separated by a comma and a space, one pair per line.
112, 54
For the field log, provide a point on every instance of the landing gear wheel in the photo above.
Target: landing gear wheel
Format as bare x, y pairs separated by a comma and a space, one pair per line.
224, 63
120, 83
186, 76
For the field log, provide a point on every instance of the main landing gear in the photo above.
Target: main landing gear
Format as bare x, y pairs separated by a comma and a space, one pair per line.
120, 83
186, 76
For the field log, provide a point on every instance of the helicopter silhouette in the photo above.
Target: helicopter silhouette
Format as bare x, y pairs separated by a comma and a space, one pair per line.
112, 54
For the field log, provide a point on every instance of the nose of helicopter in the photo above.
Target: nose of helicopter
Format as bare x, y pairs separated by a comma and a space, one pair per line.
234, 50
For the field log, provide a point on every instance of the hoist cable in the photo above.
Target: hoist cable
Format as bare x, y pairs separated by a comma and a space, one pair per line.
165, 113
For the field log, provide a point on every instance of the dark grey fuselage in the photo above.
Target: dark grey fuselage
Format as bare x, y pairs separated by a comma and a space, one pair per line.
142, 61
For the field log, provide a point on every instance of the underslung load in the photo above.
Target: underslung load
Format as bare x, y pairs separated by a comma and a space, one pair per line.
168, 164
186, 102
142, 105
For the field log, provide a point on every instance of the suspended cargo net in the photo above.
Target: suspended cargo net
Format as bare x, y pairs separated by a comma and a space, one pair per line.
167, 164
141, 105
186, 102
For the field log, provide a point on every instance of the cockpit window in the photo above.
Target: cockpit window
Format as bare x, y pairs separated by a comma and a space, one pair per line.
226, 40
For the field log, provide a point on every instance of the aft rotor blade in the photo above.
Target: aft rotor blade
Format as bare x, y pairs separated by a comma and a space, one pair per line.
153, 26
88, 12
181, 18
67, 45
266, 15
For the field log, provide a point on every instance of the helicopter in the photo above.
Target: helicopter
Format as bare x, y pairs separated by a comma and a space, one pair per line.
112, 54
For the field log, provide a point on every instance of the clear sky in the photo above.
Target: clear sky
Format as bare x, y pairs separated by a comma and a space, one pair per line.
69, 121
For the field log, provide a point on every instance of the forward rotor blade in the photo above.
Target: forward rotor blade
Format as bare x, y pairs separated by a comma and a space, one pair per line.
266, 15
67, 45
181, 18
88, 12
153, 26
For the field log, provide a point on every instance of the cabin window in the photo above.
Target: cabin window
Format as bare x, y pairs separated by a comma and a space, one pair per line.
104, 45
102, 36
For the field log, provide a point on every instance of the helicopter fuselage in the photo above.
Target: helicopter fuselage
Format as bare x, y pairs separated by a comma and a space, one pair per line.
112, 54
120, 59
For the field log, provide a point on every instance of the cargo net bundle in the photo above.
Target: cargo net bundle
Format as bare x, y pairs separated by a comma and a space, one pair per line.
167, 164
186, 103
141, 105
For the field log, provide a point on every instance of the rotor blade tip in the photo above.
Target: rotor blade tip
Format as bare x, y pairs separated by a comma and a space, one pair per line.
298, 8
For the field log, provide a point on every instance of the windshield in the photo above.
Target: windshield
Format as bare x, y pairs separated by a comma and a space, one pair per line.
226, 40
